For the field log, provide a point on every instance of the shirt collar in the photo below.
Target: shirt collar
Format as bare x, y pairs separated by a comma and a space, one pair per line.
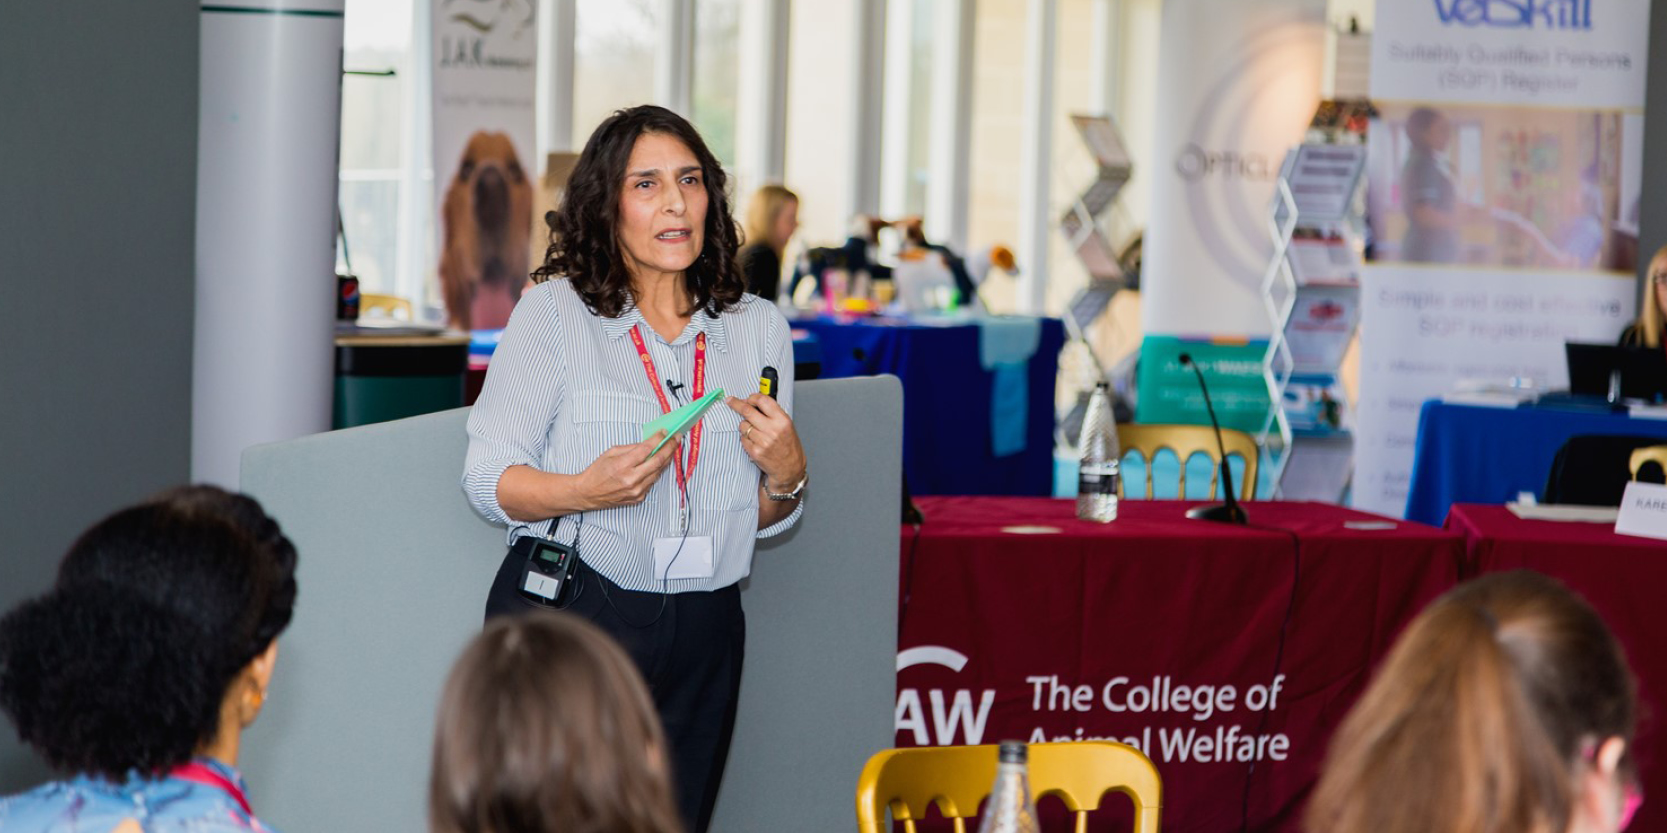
715, 328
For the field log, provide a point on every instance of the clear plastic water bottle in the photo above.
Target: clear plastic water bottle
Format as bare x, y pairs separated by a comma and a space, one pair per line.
1010, 808
1100, 458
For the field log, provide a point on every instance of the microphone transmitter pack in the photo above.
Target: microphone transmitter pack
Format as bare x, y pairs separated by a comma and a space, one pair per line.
547, 571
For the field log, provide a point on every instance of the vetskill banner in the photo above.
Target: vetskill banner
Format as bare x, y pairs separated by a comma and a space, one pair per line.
1503, 196
1241, 81
485, 62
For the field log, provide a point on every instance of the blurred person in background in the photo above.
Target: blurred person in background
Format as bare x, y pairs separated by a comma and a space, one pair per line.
772, 217
1648, 330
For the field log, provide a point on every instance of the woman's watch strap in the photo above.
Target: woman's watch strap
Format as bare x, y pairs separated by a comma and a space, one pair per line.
792, 495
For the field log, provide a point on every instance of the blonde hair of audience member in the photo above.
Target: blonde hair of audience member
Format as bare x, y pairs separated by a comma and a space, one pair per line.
545, 725
772, 217
1506, 706
1651, 318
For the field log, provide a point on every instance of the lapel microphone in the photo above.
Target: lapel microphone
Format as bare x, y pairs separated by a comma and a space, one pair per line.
1228, 511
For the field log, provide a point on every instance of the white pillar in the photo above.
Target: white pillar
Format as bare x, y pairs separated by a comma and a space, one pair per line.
556, 22
898, 103
863, 165
268, 132
1035, 220
1105, 56
761, 117
947, 191
674, 69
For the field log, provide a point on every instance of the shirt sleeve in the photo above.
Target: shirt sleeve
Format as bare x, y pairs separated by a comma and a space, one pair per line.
510, 422
779, 346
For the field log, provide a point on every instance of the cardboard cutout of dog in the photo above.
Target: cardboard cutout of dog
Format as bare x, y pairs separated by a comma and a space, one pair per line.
486, 221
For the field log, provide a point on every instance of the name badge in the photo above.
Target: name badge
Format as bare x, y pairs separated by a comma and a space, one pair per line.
689, 557
1643, 511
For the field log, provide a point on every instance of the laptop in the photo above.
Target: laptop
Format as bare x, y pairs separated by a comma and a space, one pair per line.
1611, 372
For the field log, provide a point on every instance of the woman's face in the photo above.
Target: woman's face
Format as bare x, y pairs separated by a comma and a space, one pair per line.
787, 222
662, 208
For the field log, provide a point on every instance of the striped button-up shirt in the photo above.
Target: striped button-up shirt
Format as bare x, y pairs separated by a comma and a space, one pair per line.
565, 385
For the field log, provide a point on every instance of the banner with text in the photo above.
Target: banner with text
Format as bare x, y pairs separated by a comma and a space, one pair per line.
485, 62
1221, 135
1502, 189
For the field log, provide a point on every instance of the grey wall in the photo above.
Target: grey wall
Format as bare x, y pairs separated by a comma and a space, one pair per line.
1652, 210
393, 573
98, 172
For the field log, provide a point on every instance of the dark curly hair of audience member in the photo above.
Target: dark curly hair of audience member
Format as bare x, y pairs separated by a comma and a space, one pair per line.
584, 246
124, 663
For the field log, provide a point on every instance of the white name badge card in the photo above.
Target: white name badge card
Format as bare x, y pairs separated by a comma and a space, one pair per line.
1643, 511
683, 558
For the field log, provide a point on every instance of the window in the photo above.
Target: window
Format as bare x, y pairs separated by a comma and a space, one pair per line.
819, 95
717, 75
616, 45
377, 96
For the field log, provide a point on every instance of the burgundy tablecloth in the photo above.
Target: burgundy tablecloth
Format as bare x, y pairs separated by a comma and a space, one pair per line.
1624, 577
1007, 632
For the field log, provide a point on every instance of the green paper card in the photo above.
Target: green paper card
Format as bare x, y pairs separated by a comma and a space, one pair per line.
678, 422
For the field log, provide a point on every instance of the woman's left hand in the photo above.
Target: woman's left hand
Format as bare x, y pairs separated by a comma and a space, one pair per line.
768, 437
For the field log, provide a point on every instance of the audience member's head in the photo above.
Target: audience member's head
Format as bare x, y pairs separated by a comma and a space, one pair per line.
545, 725
1506, 706
158, 638
772, 217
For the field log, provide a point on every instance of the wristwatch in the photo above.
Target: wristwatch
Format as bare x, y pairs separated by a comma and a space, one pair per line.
793, 495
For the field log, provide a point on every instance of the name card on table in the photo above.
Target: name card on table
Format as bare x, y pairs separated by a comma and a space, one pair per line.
1643, 511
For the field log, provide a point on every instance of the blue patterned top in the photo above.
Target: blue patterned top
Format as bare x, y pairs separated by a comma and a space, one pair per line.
89, 804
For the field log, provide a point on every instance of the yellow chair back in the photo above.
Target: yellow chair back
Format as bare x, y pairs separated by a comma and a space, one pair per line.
957, 778
386, 306
1185, 441
1656, 454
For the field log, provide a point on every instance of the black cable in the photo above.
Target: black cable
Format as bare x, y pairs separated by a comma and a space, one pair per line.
664, 594
1278, 662
909, 578
578, 581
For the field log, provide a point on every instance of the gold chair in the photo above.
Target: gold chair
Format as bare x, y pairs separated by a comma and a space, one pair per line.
1185, 441
385, 306
1656, 454
957, 778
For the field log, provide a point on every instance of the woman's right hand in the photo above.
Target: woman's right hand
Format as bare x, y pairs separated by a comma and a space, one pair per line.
623, 474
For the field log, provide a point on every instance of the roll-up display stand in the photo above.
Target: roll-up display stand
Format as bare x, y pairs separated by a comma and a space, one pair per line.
1084, 231
1311, 291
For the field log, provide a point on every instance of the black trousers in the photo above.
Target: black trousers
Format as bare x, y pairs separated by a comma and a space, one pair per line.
690, 654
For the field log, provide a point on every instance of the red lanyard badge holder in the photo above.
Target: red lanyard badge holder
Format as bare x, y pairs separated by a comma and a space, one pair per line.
684, 472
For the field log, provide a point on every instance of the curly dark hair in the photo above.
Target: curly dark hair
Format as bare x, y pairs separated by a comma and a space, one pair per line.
124, 663
584, 244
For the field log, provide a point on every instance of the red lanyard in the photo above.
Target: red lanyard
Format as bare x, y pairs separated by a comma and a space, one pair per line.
683, 474
201, 774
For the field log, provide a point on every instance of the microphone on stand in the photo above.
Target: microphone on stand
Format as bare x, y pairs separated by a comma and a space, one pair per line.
1228, 512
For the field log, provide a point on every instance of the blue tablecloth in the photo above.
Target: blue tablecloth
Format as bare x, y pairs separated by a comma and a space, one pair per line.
1477, 454
947, 394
